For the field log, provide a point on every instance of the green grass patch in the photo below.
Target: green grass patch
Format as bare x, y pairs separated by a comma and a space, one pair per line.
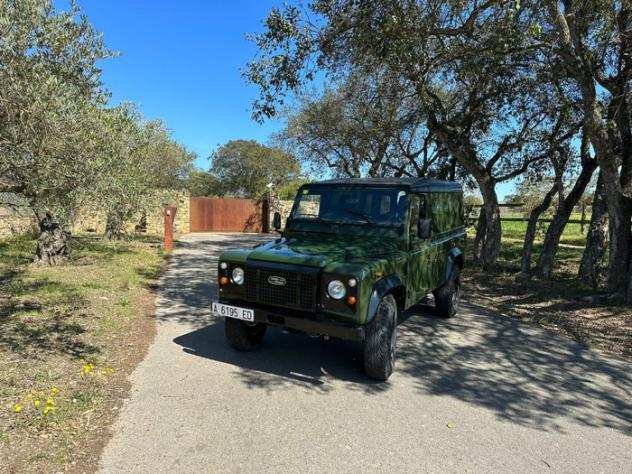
572, 234
66, 335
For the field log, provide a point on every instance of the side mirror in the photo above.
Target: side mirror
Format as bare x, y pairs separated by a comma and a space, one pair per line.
276, 221
424, 228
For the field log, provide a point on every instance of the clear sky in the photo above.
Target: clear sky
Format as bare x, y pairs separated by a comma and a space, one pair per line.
180, 61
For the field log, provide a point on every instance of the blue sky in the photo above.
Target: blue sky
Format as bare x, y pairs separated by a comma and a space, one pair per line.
181, 62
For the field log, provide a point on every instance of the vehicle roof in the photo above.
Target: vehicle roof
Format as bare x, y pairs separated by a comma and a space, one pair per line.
414, 184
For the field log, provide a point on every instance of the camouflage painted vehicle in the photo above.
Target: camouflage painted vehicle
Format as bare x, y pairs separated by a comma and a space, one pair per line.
354, 255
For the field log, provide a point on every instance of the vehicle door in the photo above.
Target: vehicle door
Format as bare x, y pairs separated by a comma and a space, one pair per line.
421, 274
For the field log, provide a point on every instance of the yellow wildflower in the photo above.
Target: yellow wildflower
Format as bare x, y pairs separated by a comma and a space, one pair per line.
48, 409
54, 391
50, 401
17, 408
87, 368
37, 403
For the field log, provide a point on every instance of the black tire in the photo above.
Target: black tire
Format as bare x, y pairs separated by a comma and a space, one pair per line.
243, 336
380, 340
447, 297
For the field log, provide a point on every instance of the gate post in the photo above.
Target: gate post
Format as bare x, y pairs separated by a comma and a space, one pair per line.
265, 215
170, 214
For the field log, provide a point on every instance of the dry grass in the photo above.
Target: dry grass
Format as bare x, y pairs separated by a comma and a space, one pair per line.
561, 304
69, 335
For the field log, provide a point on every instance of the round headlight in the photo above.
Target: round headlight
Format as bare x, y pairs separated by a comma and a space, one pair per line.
238, 275
336, 289
223, 265
352, 282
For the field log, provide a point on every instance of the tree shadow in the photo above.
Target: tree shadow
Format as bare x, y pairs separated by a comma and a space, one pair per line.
33, 326
525, 375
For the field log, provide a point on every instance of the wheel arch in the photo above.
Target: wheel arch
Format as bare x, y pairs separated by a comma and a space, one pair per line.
454, 260
391, 284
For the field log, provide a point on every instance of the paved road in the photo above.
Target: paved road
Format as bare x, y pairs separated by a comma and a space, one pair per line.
478, 393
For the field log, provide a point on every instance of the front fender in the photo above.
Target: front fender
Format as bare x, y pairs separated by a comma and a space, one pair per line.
381, 288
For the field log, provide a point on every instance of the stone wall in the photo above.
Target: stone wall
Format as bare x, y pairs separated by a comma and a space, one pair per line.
17, 219
15, 216
283, 207
94, 220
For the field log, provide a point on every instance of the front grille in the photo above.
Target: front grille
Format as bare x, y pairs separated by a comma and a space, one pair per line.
298, 292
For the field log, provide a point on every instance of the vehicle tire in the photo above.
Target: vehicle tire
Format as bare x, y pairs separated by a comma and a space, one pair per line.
447, 297
243, 336
380, 340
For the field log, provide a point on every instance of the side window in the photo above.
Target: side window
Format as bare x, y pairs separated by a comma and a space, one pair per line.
423, 207
414, 216
418, 210
308, 207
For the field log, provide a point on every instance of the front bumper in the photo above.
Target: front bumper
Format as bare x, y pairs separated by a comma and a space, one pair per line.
305, 322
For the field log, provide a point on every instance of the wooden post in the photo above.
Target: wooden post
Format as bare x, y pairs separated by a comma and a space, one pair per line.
265, 214
170, 214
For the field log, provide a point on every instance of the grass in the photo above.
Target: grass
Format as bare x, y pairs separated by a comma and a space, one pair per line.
562, 304
68, 337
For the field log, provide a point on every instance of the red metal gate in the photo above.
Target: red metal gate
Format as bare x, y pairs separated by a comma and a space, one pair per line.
225, 215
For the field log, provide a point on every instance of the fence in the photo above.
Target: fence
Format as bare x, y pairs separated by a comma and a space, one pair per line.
472, 215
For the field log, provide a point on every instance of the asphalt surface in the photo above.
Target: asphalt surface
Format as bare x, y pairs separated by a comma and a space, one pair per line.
477, 393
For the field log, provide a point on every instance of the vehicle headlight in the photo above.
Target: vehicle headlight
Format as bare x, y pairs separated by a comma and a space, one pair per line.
223, 265
238, 275
336, 289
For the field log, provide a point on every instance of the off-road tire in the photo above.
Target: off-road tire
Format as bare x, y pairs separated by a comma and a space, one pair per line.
380, 340
243, 336
447, 297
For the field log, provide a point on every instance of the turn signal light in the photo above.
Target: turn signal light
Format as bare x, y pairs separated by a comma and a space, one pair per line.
223, 280
351, 300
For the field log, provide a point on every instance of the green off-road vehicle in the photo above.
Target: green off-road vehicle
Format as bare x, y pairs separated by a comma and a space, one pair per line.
354, 254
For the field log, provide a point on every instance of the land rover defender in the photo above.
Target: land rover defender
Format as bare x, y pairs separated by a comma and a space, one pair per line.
353, 255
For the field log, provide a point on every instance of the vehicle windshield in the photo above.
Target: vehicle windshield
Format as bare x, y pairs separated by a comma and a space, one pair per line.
352, 205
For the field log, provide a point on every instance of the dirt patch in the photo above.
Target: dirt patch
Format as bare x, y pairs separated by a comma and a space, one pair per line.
132, 350
69, 338
560, 305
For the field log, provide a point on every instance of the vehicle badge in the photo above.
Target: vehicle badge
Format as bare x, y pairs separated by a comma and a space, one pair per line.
276, 280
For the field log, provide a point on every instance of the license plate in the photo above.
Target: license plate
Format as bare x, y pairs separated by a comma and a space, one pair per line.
219, 309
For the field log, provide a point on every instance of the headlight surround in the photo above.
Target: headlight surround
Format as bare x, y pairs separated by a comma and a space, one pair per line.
336, 289
238, 275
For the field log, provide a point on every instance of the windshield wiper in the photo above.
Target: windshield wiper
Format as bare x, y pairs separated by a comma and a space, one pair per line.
360, 214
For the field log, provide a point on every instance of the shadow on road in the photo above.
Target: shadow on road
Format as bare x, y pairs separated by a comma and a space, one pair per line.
525, 375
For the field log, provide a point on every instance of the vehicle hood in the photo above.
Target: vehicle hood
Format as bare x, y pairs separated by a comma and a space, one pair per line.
320, 250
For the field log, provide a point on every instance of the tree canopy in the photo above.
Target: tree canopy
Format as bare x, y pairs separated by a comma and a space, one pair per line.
60, 145
244, 168
503, 87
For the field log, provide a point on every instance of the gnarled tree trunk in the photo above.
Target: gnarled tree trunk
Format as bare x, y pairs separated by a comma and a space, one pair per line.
620, 233
52, 243
529, 237
593, 262
490, 243
114, 226
560, 219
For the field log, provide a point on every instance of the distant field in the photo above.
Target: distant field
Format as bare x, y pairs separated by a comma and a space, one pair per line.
572, 233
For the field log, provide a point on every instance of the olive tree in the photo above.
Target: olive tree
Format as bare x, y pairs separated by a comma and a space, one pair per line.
140, 159
50, 93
